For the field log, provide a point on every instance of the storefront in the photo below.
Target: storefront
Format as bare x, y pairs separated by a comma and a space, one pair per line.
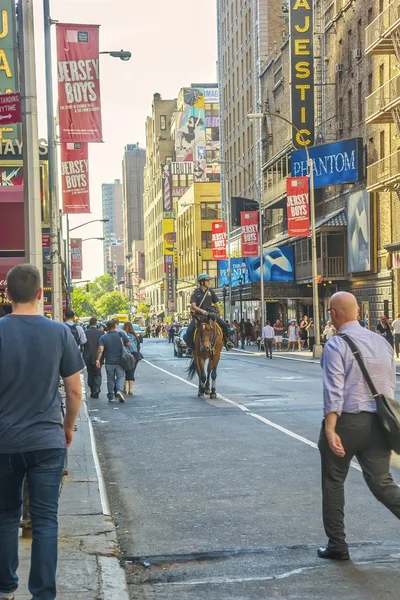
6, 263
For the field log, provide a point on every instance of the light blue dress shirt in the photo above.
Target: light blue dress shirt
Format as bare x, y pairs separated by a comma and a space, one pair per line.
345, 389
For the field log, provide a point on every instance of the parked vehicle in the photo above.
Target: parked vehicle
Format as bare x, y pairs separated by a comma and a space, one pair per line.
180, 344
138, 331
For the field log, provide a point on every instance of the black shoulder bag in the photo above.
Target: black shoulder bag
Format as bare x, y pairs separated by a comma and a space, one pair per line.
387, 409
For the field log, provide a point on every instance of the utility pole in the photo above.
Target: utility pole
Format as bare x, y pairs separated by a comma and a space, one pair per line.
30, 136
56, 294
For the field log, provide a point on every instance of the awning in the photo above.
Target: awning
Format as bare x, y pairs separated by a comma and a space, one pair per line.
337, 219
5, 265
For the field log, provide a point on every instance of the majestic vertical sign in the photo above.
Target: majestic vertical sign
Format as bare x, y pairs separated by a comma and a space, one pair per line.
76, 258
8, 61
75, 178
298, 211
218, 240
166, 186
302, 71
249, 224
78, 83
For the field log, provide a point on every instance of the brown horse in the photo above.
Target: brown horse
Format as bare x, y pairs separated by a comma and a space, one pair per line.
207, 346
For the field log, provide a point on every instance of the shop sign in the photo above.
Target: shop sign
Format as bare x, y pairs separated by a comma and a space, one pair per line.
249, 225
8, 61
302, 71
298, 210
218, 235
75, 178
336, 163
76, 258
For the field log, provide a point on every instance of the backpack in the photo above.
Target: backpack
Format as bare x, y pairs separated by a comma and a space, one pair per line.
74, 330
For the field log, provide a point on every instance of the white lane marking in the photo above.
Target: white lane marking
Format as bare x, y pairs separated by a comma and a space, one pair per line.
105, 505
251, 414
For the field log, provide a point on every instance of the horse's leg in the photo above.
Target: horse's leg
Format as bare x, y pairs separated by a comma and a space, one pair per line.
208, 377
213, 395
202, 377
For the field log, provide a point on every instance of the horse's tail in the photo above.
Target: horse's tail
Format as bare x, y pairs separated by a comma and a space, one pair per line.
191, 370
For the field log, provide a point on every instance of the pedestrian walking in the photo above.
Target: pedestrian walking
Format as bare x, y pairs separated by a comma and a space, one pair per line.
292, 335
93, 334
171, 333
110, 344
396, 329
278, 328
311, 334
303, 331
34, 352
77, 331
385, 329
268, 335
134, 349
329, 331
351, 426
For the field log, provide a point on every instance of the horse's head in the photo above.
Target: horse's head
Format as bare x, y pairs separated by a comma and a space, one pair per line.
206, 331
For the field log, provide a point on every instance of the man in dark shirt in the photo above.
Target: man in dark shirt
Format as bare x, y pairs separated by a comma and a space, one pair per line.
201, 301
34, 352
90, 355
111, 345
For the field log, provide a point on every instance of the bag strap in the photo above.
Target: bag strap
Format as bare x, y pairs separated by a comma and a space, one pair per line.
357, 355
203, 298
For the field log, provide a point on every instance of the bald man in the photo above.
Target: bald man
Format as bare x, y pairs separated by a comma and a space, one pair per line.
350, 427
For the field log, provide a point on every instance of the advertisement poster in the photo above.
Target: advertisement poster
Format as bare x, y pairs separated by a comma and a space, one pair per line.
278, 265
9, 80
249, 225
298, 210
358, 232
76, 258
218, 236
78, 77
169, 236
166, 186
75, 178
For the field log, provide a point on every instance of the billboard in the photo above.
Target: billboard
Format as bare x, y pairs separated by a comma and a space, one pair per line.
278, 265
298, 210
249, 224
359, 232
169, 236
339, 162
8, 65
79, 107
75, 178
190, 130
200, 165
76, 258
166, 186
301, 27
218, 236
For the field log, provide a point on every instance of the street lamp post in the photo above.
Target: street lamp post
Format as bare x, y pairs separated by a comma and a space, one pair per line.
93, 238
224, 293
314, 264
240, 280
243, 270
260, 236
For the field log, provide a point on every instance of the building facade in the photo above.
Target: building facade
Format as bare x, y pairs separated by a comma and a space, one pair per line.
116, 263
356, 213
133, 163
248, 33
111, 199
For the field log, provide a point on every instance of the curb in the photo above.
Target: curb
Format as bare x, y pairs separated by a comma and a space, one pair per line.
112, 576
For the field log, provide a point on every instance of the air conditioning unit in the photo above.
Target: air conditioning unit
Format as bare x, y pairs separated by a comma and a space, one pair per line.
357, 53
339, 125
339, 68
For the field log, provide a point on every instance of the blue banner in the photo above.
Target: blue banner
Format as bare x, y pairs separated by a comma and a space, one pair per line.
278, 266
340, 162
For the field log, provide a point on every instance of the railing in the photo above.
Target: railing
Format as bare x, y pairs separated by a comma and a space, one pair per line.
384, 173
304, 270
382, 26
383, 99
335, 266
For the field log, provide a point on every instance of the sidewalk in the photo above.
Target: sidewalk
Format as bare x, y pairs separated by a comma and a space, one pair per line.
87, 565
304, 356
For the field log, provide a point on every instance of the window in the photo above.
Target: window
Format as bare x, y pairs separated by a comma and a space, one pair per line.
212, 134
370, 88
381, 74
349, 48
210, 267
360, 102
381, 145
209, 211
340, 109
371, 151
380, 6
369, 17
163, 122
206, 239
350, 107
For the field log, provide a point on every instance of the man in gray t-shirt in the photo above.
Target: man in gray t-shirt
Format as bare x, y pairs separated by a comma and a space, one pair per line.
110, 344
34, 353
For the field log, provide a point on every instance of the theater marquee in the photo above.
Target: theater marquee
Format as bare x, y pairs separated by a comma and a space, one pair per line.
302, 71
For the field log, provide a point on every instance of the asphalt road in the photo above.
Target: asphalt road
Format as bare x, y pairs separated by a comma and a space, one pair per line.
222, 498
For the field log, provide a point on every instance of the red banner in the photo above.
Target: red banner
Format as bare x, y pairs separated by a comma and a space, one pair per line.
75, 178
78, 83
76, 258
219, 240
249, 223
298, 210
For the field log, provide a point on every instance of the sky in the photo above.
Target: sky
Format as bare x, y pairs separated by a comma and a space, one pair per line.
173, 44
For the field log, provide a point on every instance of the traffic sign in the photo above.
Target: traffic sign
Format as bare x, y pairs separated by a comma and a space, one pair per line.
10, 108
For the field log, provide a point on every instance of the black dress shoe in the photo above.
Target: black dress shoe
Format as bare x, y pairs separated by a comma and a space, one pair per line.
333, 553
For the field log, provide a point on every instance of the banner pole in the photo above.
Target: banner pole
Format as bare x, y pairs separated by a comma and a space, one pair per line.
56, 295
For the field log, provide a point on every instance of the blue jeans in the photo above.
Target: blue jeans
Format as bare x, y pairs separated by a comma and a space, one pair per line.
44, 470
115, 380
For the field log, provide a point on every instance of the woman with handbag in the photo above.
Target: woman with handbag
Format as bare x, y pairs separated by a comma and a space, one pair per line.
135, 351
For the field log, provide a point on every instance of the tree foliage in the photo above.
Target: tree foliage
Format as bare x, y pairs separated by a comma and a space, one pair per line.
101, 300
112, 302
144, 310
82, 302
101, 285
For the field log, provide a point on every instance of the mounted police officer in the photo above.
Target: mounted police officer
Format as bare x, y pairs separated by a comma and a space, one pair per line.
202, 300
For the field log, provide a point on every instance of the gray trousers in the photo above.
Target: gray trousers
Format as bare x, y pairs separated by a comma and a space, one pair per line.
268, 343
397, 343
362, 437
115, 379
